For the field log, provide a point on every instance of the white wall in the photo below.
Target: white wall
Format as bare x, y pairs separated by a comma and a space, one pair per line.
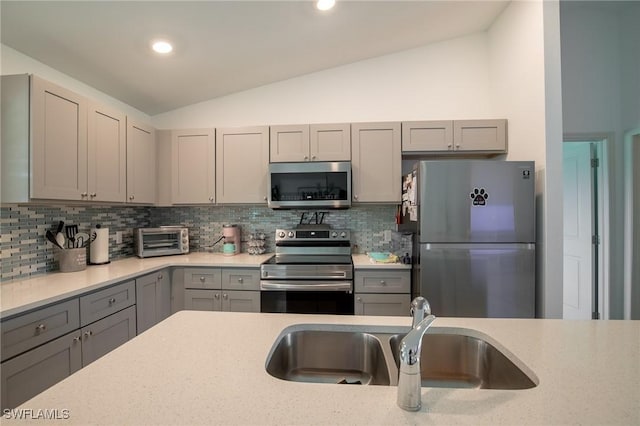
445, 80
14, 62
519, 89
601, 95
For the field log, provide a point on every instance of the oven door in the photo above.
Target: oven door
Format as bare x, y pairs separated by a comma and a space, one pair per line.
307, 297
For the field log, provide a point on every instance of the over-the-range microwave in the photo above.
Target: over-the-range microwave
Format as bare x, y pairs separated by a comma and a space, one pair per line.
308, 185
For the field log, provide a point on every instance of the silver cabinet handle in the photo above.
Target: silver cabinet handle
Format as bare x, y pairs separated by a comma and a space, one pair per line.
265, 198
87, 333
202, 279
84, 195
93, 195
306, 158
359, 299
211, 199
40, 328
240, 280
77, 339
225, 296
313, 157
216, 296
355, 197
383, 282
457, 146
160, 276
131, 197
112, 301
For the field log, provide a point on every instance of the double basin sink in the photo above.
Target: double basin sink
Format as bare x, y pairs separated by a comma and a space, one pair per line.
368, 355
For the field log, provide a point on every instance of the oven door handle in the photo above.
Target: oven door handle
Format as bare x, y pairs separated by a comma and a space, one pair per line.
291, 275
306, 286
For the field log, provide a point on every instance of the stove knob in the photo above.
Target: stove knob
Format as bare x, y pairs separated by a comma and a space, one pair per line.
291, 234
343, 234
281, 234
334, 235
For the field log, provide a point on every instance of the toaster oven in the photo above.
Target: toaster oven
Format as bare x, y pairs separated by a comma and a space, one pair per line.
162, 241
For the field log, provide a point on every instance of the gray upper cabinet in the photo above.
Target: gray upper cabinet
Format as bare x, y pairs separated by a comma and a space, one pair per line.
71, 149
59, 142
193, 174
315, 142
480, 135
455, 136
289, 143
242, 163
376, 162
427, 136
141, 163
106, 154
330, 142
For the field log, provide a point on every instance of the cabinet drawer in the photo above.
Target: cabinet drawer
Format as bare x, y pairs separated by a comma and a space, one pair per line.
241, 279
202, 278
105, 302
382, 282
27, 331
382, 304
202, 300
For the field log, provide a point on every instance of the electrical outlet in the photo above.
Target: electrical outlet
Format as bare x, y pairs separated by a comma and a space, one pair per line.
118, 237
387, 235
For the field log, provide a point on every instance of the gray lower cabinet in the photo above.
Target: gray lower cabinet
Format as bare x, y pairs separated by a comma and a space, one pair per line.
382, 292
105, 335
30, 373
153, 299
222, 289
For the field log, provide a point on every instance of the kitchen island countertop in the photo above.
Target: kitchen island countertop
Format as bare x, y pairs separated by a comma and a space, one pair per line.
209, 368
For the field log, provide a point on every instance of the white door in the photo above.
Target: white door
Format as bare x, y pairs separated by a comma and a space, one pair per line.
578, 226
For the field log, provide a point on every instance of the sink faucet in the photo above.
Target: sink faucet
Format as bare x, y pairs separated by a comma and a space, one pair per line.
409, 379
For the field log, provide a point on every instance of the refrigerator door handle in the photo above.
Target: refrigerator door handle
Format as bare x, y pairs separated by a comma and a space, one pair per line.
488, 246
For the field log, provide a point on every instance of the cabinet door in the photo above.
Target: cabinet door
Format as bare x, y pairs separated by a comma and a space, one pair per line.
153, 299
105, 335
59, 142
330, 142
427, 136
141, 163
382, 304
376, 162
193, 175
289, 143
202, 300
480, 135
242, 164
25, 376
240, 301
107, 154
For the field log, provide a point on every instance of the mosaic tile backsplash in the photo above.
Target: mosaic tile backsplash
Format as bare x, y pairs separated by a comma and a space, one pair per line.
26, 252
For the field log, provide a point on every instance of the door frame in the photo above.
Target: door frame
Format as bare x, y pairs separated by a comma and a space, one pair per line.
630, 138
603, 190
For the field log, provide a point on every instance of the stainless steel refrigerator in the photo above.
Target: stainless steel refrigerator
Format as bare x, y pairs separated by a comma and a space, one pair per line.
474, 247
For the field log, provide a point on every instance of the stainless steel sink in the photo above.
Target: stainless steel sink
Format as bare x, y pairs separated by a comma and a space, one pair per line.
368, 355
329, 357
462, 361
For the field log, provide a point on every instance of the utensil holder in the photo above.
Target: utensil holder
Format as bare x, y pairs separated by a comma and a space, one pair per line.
72, 260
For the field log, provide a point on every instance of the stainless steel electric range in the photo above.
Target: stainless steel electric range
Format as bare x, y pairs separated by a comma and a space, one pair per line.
311, 272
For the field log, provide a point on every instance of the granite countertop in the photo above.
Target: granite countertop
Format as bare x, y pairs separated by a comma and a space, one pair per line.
209, 368
22, 295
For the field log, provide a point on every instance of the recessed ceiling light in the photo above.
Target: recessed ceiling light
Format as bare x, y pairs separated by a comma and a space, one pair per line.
162, 47
325, 4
